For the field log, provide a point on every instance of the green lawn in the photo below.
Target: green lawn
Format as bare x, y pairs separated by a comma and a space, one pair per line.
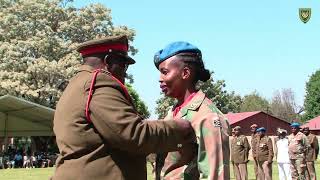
45, 173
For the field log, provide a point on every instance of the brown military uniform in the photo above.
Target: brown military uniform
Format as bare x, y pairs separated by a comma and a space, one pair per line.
254, 140
239, 156
311, 155
115, 145
264, 156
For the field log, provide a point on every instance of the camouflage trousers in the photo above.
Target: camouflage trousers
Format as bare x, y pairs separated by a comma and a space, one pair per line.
298, 169
311, 171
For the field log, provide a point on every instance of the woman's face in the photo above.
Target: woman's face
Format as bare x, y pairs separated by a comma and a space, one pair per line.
172, 77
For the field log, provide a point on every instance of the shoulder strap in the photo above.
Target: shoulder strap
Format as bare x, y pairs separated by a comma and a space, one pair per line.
93, 80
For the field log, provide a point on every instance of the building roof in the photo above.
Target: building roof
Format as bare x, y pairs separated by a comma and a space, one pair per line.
236, 117
313, 124
19, 117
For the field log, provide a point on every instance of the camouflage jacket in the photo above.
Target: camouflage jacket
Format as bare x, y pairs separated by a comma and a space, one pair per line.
212, 131
313, 149
240, 149
298, 145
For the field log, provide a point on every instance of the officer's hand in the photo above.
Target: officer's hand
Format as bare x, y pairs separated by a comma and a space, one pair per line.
186, 154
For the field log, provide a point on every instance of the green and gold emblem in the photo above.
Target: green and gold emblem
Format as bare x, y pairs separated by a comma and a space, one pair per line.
304, 14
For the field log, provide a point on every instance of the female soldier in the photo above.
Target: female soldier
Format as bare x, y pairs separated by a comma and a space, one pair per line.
181, 67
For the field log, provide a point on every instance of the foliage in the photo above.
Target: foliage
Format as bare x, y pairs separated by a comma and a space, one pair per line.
283, 105
214, 90
138, 103
37, 41
254, 102
312, 98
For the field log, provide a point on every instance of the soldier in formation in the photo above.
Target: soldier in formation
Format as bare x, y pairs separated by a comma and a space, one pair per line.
239, 154
298, 145
254, 138
312, 153
264, 155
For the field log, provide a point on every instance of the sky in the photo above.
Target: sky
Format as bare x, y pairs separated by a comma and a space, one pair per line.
252, 45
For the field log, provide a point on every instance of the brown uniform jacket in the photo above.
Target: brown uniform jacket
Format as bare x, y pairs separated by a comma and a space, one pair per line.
115, 145
254, 140
240, 149
313, 148
264, 149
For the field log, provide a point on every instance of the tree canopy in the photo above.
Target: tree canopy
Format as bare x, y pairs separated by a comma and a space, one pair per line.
283, 105
312, 98
37, 44
254, 102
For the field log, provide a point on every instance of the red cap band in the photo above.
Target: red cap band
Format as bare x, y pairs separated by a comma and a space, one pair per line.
102, 48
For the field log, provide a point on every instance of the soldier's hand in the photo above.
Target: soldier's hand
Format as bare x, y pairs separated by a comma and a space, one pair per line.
186, 154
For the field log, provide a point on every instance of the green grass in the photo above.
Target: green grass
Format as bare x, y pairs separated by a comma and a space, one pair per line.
45, 173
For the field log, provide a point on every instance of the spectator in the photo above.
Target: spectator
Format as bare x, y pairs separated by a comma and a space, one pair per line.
1, 160
18, 160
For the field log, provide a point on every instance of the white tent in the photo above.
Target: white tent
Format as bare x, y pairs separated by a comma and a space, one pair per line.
19, 117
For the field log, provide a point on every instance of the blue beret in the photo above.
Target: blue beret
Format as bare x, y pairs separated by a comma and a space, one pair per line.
261, 129
174, 49
295, 124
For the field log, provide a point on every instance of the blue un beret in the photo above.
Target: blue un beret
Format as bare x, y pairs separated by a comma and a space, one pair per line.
295, 124
261, 129
174, 49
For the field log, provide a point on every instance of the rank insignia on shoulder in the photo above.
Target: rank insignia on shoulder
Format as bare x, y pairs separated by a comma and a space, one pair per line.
216, 123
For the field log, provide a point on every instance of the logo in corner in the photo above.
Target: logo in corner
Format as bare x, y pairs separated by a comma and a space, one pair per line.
305, 14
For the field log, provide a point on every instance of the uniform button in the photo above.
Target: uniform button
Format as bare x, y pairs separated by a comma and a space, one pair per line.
179, 145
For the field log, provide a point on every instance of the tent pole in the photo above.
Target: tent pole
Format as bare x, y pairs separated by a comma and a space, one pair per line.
6, 133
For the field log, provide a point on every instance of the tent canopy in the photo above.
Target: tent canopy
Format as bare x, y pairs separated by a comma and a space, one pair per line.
19, 117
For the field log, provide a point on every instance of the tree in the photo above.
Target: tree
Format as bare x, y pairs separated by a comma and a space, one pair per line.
138, 103
37, 47
37, 42
283, 105
254, 102
312, 98
226, 102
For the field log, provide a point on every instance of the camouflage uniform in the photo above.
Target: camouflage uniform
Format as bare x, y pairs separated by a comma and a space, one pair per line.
311, 156
298, 145
212, 131
239, 156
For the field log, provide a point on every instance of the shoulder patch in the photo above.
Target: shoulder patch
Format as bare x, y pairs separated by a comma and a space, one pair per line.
216, 123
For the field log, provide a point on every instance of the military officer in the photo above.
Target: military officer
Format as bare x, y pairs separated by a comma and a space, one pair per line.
298, 145
254, 139
312, 153
98, 131
264, 156
239, 154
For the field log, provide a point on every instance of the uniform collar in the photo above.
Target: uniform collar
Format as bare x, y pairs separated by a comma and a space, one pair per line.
90, 69
192, 104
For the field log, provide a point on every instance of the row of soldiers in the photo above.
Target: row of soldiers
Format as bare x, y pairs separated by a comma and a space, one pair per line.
301, 147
